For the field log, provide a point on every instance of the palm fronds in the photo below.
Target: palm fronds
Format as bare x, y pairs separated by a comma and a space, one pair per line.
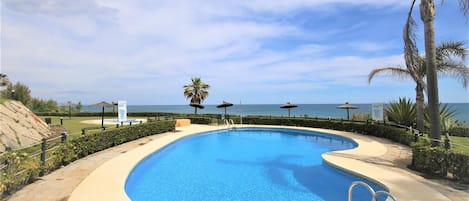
393, 71
402, 112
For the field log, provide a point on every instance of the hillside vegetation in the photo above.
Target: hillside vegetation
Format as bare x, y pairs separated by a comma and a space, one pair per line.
19, 127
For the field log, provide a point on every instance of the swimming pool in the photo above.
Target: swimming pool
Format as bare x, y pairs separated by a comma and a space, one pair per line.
245, 164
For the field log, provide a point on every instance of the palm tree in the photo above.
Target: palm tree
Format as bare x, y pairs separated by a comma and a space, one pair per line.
196, 91
427, 15
447, 64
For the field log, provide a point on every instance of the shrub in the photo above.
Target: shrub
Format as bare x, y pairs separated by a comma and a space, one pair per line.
439, 162
459, 131
23, 169
200, 120
379, 130
402, 112
102, 140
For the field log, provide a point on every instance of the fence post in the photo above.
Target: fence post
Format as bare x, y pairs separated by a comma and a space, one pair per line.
43, 156
64, 136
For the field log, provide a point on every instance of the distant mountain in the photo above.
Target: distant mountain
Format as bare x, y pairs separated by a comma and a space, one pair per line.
19, 127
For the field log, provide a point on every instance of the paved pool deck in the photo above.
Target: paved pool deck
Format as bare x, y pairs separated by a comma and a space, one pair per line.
101, 176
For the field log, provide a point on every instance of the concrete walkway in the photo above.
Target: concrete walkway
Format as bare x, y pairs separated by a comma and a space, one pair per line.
388, 156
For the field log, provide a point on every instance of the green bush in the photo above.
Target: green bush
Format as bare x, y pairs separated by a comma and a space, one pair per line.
379, 130
439, 162
459, 131
23, 169
102, 140
200, 120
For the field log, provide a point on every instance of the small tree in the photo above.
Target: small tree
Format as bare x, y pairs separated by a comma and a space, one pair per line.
79, 106
402, 112
196, 91
19, 92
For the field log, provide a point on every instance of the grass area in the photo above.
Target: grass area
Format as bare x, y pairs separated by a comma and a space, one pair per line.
75, 125
461, 141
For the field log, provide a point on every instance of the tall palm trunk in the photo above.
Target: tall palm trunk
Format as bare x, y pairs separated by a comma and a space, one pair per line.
420, 106
427, 14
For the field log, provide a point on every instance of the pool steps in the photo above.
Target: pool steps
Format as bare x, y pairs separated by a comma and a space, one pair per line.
373, 193
229, 122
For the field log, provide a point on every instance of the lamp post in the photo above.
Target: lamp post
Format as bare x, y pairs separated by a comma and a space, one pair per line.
13, 94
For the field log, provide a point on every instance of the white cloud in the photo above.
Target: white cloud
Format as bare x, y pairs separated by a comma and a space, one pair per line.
59, 7
107, 49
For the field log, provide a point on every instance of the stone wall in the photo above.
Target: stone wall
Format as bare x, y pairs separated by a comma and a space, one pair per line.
19, 127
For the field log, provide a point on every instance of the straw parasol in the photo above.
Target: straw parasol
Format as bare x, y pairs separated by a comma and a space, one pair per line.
102, 104
197, 105
288, 106
225, 105
69, 104
347, 106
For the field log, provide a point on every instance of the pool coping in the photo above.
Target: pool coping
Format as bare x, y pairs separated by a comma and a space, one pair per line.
107, 182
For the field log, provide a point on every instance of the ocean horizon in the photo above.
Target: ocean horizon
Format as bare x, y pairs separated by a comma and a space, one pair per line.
311, 110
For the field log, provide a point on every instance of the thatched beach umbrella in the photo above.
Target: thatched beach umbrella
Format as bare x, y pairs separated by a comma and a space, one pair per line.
69, 104
288, 106
347, 106
102, 104
197, 105
225, 105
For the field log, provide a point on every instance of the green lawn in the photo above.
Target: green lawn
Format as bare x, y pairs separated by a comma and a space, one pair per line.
462, 143
75, 125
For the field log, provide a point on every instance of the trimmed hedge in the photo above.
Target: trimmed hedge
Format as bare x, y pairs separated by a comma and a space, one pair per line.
440, 162
459, 131
379, 130
99, 141
23, 169
200, 120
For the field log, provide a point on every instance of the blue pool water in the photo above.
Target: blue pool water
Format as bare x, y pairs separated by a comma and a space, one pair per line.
245, 164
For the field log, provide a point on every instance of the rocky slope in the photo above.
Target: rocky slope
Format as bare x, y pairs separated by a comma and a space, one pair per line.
19, 127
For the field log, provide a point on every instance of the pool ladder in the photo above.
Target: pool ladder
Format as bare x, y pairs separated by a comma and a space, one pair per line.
373, 193
229, 122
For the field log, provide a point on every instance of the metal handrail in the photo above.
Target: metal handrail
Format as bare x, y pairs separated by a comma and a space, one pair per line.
373, 193
355, 183
228, 122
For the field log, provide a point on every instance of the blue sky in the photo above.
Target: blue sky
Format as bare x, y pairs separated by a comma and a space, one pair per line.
255, 51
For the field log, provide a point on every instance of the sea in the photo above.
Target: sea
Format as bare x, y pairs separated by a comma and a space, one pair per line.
311, 110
